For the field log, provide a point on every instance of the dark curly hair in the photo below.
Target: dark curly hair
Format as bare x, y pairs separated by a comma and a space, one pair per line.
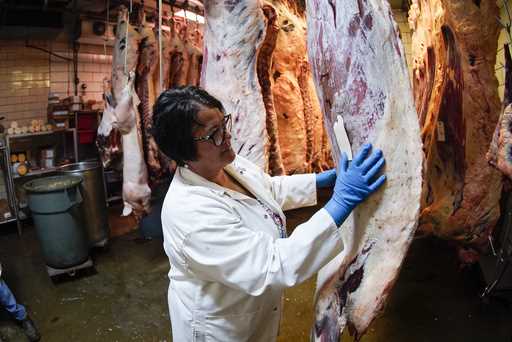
175, 116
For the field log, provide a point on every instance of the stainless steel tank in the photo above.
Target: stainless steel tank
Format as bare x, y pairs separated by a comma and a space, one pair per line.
94, 201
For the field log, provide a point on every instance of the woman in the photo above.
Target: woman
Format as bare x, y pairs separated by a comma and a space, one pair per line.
224, 227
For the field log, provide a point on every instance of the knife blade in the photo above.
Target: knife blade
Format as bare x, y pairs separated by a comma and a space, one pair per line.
341, 137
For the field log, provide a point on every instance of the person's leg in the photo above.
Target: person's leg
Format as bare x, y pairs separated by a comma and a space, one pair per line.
19, 312
8, 300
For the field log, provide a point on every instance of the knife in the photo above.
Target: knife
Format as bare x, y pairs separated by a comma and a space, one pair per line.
341, 137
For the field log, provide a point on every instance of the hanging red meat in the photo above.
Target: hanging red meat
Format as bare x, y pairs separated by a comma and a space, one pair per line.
146, 67
177, 55
360, 73
298, 110
264, 63
233, 36
165, 60
454, 53
195, 51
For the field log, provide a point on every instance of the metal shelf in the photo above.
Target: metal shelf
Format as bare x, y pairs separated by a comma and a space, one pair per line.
36, 172
12, 219
114, 198
28, 135
9, 184
5, 151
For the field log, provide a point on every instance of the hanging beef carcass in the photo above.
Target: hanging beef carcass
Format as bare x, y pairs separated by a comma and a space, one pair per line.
360, 73
288, 55
195, 50
264, 62
277, 47
456, 92
159, 86
146, 68
500, 151
233, 35
298, 110
177, 54
165, 60
182, 79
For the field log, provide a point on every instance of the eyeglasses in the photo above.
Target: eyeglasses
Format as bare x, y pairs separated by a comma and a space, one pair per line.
219, 135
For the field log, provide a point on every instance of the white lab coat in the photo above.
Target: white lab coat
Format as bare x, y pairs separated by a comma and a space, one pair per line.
229, 265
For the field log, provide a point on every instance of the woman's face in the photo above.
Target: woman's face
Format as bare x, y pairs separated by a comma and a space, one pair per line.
208, 154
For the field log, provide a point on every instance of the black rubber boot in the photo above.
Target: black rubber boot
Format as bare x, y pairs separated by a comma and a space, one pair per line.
30, 330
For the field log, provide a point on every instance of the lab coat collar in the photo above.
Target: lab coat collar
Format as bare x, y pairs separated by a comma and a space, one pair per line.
236, 171
192, 178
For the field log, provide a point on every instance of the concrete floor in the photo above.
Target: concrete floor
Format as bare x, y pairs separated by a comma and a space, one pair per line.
124, 299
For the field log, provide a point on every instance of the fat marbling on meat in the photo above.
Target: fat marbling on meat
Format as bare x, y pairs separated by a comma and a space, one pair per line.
360, 73
234, 33
456, 91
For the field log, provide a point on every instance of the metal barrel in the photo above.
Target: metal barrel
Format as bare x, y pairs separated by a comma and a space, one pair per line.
94, 203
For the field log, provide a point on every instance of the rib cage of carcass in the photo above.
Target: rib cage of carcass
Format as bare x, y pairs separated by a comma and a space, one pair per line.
256, 64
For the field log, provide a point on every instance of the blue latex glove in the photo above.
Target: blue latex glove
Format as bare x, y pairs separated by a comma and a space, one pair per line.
355, 182
326, 179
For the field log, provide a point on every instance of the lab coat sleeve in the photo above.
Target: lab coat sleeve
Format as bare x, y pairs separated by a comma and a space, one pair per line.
296, 191
223, 250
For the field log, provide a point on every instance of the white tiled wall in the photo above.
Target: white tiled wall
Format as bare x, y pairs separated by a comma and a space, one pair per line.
93, 66
24, 81
504, 38
405, 32
27, 76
